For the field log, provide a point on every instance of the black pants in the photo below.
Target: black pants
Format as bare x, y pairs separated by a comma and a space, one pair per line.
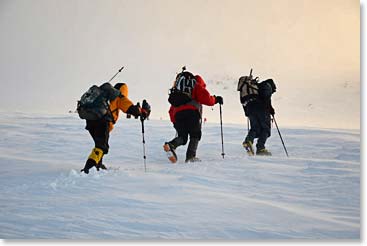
260, 123
188, 123
99, 130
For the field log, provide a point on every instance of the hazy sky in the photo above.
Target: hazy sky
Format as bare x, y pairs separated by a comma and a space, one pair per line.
53, 50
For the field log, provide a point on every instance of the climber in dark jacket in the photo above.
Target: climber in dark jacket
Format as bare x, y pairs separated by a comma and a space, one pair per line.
259, 110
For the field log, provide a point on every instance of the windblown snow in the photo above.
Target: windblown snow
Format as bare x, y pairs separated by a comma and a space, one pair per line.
313, 194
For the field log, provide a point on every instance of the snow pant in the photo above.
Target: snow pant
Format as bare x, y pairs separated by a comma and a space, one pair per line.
99, 130
260, 127
188, 123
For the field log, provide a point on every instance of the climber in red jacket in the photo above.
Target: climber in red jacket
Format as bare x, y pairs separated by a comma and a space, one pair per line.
186, 117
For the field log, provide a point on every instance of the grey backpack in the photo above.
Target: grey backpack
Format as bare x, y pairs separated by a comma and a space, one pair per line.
94, 103
248, 88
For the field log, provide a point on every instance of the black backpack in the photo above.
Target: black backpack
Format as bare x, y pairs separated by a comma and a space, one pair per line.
266, 89
94, 103
181, 92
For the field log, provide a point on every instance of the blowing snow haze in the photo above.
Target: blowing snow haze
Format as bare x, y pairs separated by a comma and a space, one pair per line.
52, 51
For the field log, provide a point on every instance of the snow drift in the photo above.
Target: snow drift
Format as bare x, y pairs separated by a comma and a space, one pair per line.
314, 194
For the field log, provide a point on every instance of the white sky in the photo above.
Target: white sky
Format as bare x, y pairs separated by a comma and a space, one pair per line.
53, 50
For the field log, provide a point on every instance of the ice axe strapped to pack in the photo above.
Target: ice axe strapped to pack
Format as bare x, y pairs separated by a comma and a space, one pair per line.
119, 71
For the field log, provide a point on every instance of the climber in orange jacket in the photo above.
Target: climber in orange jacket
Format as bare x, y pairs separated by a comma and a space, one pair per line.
100, 129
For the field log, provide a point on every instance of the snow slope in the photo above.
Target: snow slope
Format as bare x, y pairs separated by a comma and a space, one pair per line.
314, 194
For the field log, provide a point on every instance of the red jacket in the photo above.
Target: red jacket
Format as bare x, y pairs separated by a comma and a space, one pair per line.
199, 94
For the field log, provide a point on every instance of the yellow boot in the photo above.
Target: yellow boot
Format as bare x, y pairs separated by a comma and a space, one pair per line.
94, 158
263, 152
96, 155
248, 147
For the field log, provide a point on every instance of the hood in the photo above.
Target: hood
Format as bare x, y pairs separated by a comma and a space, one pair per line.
122, 87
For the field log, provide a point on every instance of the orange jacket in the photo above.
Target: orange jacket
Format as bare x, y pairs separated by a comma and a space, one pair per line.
120, 103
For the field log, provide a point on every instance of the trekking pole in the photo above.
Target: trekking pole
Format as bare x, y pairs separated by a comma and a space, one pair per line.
147, 108
221, 128
248, 125
285, 149
142, 131
116, 74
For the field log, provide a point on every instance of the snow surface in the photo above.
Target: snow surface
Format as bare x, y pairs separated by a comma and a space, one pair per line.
313, 194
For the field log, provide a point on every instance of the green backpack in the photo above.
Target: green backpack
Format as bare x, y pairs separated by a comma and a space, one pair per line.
94, 103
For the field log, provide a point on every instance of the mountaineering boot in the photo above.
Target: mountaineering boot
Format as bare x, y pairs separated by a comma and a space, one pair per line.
191, 150
100, 165
88, 165
170, 151
94, 158
248, 147
263, 151
193, 159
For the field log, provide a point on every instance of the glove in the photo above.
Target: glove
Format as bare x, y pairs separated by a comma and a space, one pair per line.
145, 110
271, 110
134, 110
219, 99
144, 114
